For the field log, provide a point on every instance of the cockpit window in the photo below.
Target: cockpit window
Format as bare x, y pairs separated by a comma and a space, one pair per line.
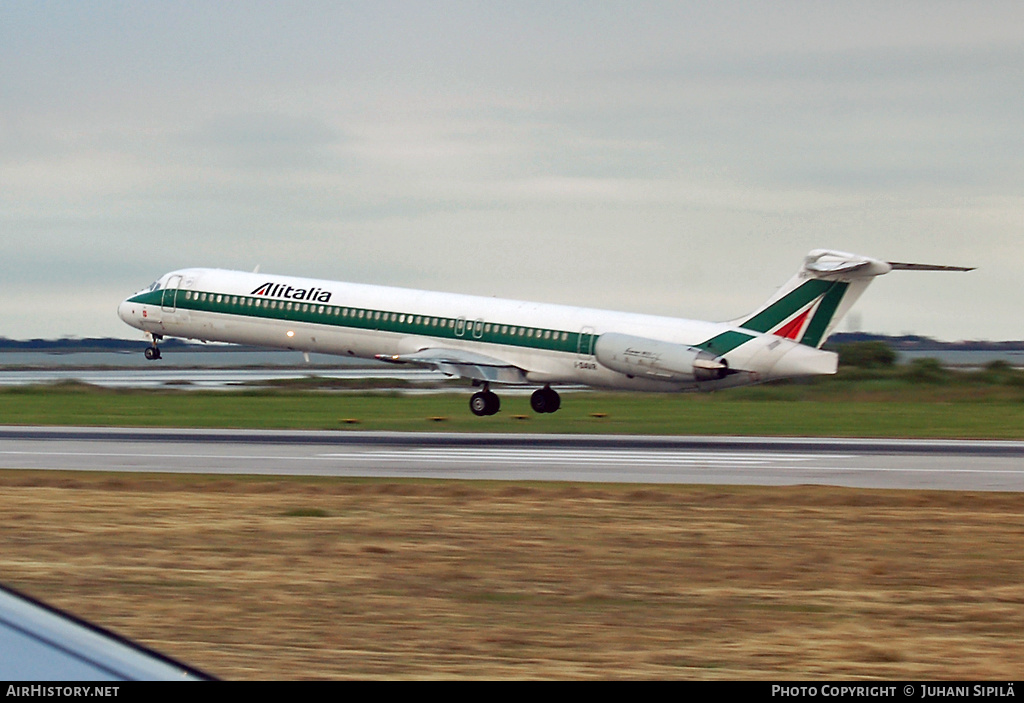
155, 286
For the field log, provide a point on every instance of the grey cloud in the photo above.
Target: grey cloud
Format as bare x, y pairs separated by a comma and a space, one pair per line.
267, 140
566, 151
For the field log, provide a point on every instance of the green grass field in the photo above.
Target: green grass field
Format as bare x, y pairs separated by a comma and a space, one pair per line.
905, 403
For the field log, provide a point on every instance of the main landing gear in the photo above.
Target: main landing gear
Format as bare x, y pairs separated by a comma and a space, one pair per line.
153, 351
486, 402
545, 400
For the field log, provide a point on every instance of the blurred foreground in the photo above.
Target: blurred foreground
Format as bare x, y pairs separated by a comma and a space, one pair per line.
267, 579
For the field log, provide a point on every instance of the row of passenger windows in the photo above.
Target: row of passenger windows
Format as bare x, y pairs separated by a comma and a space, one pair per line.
471, 326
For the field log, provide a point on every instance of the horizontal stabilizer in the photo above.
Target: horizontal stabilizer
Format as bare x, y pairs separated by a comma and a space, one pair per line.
897, 266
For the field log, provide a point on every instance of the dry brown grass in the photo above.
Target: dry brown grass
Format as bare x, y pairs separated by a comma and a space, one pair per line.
290, 579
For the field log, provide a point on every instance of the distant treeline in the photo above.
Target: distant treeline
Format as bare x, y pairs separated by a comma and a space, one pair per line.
912, 342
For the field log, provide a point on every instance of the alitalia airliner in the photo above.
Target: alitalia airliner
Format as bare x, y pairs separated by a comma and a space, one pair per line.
492, 341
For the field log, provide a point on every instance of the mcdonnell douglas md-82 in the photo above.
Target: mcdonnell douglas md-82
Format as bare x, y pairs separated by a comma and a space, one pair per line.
493, 341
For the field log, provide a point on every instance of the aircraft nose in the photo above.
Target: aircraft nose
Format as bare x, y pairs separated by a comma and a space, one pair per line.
126, 311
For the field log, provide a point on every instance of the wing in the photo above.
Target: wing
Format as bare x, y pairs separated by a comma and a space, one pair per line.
458, 362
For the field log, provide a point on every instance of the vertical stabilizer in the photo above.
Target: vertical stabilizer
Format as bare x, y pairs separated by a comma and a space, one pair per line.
811, 304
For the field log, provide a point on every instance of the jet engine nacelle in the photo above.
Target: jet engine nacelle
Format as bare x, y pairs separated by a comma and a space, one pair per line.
652, 358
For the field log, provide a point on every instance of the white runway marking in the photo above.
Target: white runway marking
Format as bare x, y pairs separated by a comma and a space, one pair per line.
810, 462
496, 455
573, 456
543, 456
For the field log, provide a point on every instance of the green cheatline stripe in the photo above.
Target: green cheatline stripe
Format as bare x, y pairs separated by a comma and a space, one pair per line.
725, 342
364, 318
774, 314
823, 315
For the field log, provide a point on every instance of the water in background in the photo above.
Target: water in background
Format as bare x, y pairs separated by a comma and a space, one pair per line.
221, 357
221, 367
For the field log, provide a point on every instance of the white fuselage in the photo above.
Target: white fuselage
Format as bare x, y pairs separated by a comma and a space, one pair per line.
552, 344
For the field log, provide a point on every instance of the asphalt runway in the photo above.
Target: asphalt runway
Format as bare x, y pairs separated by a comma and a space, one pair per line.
917, 464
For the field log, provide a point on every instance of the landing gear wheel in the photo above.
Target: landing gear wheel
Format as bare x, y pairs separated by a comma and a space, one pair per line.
555, 400
152, 353
545, 400
484, 403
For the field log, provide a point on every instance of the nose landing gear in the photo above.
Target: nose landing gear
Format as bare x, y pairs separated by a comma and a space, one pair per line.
153, 351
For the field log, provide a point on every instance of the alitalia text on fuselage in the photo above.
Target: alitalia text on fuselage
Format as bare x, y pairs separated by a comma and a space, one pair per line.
281, 290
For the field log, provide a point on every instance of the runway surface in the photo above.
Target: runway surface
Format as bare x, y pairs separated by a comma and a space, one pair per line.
919, 464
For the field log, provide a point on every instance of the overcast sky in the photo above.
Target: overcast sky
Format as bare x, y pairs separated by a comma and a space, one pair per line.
674, 157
